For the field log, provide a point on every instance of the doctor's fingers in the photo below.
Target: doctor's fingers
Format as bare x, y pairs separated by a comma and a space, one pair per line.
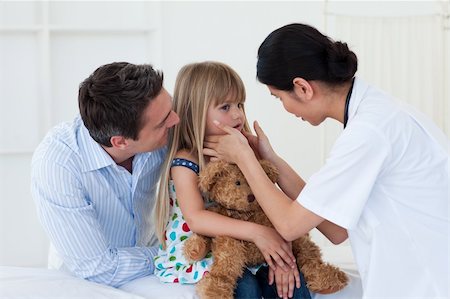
210, 145
213, 138
259, 131
210, 152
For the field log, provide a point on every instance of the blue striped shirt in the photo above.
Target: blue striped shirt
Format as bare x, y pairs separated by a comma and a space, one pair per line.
96, 214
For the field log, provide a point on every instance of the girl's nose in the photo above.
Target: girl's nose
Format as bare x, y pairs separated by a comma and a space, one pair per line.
237, 113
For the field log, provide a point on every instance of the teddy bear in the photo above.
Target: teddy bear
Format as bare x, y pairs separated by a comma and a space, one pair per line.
226, 186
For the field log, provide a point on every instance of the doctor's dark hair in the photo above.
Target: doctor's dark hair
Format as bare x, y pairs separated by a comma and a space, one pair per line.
113, 98
299, 50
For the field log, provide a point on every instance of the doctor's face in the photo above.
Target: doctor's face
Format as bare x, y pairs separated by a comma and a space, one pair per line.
307, 110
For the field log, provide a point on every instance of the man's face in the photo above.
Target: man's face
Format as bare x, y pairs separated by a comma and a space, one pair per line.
158, 119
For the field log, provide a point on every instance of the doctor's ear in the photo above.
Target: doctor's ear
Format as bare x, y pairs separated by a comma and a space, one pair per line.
302, 88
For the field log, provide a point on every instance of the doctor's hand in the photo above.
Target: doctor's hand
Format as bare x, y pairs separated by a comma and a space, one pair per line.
229, 147
260, 143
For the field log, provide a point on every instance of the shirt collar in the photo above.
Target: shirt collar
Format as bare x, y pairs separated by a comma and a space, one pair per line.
93, 155
359, 89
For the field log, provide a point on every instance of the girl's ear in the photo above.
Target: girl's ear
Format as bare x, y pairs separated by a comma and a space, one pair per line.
302, 89
119, 142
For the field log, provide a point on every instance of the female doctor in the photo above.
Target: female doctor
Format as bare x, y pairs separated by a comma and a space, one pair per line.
385, 182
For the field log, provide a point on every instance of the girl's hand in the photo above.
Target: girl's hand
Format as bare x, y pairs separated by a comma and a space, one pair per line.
286, 281
260, 143
229, 147
276, 251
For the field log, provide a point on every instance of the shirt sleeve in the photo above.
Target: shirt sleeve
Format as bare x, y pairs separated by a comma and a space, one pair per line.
339, 191
70, 220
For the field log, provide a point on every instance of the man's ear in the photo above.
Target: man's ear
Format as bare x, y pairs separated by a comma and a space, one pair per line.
302, 89
119, 142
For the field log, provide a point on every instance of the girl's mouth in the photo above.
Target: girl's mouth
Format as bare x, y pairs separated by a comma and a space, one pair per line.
238, 127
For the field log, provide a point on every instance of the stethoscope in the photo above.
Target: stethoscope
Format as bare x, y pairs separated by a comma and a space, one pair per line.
347, 101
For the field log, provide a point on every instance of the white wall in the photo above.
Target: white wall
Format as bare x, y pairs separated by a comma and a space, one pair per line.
231, 32
47, 49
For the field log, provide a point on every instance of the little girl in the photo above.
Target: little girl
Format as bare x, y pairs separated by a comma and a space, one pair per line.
205, 92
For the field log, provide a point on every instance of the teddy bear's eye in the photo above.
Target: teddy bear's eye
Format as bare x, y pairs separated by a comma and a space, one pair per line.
238, 183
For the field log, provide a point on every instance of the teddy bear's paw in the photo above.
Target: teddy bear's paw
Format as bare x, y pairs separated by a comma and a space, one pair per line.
195, 254
328, 280
196, 248
213, 287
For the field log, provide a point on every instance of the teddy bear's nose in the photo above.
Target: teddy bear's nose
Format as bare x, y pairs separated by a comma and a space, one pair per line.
251, 198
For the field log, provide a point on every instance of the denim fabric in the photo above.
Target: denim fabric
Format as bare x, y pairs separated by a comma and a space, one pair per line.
248, 286
257, 286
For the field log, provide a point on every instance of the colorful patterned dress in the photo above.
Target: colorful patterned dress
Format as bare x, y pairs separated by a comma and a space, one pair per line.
170, 263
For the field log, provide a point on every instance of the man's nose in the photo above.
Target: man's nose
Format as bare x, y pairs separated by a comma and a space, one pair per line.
175, 119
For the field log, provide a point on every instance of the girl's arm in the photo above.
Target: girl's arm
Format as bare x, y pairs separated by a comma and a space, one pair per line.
201, 221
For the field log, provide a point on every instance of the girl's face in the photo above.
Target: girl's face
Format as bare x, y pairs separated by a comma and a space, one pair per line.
230, 113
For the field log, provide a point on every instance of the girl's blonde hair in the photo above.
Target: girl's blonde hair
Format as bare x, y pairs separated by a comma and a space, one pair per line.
198, 85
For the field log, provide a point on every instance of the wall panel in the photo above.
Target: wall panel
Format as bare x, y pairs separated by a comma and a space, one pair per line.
46, 49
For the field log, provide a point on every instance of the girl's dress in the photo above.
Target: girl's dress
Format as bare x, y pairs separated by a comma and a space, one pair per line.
170, 263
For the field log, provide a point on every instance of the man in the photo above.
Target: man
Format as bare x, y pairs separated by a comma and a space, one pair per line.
94, 180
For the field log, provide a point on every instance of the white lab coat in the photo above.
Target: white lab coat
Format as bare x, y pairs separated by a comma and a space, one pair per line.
386, 181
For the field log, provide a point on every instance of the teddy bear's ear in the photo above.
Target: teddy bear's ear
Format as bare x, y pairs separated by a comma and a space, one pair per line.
270, 170
208, 176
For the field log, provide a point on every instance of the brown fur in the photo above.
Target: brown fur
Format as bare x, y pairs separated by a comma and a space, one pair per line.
227, 186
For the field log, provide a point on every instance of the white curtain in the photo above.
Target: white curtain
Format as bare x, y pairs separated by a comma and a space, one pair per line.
406, 56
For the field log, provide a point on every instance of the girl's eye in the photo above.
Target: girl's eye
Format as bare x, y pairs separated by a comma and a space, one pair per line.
241, 105
225, 107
